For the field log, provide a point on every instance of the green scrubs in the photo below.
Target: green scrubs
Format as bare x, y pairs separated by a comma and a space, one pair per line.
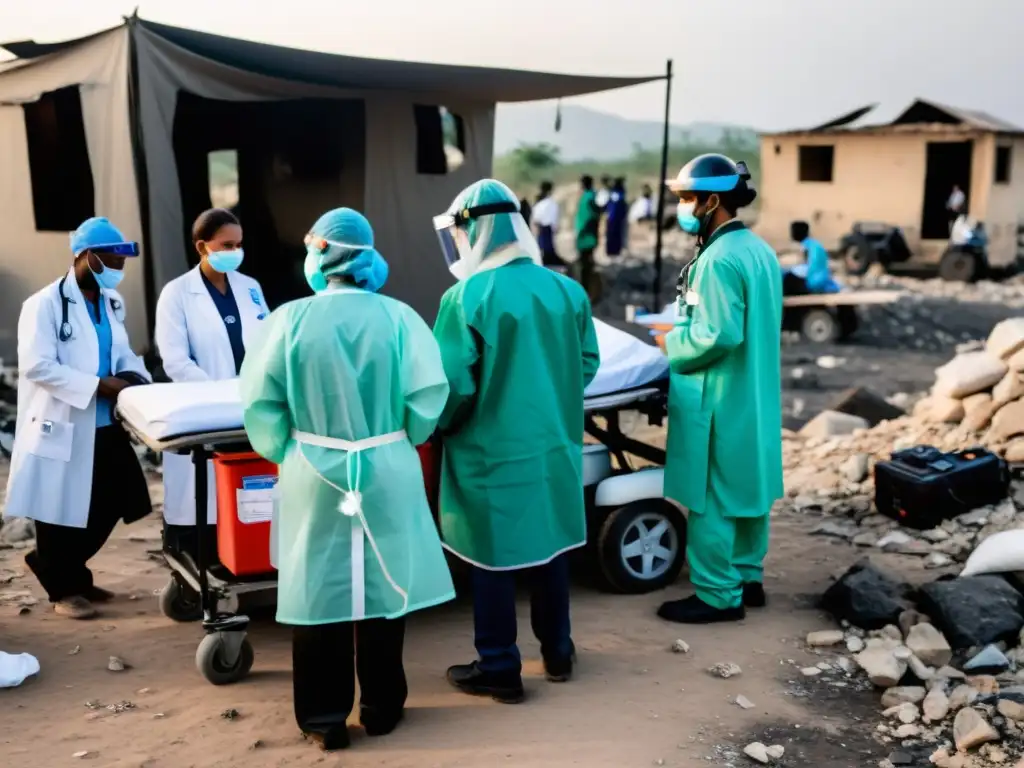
519, 347
725, 411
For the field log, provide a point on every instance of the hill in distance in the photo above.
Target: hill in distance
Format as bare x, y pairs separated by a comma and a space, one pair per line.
588, 134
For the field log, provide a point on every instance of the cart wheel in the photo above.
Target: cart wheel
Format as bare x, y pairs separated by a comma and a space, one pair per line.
641, 547
179, 602
210, 660
958, 265
858, 257
820, 326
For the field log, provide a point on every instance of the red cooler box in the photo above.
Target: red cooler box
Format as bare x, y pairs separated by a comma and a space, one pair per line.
245, 503
430, 459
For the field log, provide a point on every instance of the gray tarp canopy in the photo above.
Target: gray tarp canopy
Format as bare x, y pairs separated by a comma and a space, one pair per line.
134, 82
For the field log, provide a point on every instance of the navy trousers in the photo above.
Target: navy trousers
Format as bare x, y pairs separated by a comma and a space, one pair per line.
494, 614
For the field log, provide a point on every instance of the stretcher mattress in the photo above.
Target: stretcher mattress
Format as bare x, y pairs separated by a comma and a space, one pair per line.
159, 412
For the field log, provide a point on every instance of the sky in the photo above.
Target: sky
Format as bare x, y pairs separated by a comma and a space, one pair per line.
767, 64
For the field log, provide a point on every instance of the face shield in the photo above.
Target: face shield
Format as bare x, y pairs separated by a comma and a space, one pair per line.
500, 235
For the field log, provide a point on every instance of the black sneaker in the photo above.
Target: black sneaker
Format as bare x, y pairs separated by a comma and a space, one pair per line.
331, 740
559, 670
693, 610
377, 723
754, 596
503, 687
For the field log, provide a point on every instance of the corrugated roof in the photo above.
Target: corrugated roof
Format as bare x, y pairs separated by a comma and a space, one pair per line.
469, 83
923, 113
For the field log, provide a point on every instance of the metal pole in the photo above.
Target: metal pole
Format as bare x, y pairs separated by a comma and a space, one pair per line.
656, 288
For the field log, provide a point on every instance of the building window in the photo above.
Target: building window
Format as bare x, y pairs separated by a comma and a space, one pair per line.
222, 167
440, 140
1004, 159
62, 188
816, 163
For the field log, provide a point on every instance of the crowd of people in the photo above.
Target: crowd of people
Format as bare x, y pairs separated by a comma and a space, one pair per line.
340, 387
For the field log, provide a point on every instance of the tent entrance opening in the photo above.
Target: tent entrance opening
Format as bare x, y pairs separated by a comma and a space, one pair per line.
948, 165
277, 165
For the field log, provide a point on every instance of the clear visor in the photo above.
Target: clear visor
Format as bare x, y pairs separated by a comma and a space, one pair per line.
449, 246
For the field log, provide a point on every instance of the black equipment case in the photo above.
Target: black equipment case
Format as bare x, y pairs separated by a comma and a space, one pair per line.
920, 487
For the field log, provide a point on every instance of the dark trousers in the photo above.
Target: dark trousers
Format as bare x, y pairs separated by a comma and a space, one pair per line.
325, 661
119, 491
494, 614
793, 285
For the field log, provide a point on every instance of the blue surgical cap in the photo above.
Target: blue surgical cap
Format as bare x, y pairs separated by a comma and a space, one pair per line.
351, 254
93, 233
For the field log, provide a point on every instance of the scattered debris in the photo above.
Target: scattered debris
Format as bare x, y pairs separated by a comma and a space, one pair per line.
116, 664
744, 703
825, 638
680, 646
230, 714
971, 730
725, 670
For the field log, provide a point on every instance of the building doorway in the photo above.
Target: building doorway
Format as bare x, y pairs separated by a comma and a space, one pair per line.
948, 165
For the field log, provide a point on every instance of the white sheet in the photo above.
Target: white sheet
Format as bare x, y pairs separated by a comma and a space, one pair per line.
163, 411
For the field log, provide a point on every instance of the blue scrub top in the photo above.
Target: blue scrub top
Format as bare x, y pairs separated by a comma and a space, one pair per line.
101, 322
228, 309
819, 274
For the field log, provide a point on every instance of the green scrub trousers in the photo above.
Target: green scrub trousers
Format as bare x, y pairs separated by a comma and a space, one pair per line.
725, 552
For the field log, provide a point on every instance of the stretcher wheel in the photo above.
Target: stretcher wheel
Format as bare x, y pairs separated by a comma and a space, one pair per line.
212, 662
820, 326
179, 602
641, 547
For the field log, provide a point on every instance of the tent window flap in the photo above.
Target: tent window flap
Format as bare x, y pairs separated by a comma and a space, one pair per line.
63, 195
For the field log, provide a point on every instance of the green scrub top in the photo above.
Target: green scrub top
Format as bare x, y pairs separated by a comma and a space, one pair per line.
519, 347
725, 400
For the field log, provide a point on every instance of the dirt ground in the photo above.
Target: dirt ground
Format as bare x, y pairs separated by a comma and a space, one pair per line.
633, 702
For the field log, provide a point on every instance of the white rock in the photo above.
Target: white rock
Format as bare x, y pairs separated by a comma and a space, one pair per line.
776, 751
971, 730
937, 560
935, 535
825, 638
908, 731
968, 373
929, 645
904, 694
881, 666
919, 669
1006, 338
832, 424
757, 752
115, 664
855, 468
810, 671
894, 539
854, 644
744, 703
1011, 709
935, 706
908, 713
680, 646
962, 696
1009, 388
725, 670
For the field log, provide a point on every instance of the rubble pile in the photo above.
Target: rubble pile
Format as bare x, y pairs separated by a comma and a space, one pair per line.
8, 408
942, 703
1007, 293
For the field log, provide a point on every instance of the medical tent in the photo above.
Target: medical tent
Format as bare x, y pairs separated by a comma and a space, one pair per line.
133, 123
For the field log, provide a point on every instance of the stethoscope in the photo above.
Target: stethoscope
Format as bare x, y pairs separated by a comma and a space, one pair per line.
65, 332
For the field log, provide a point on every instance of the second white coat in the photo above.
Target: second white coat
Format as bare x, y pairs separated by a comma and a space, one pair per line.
194, 346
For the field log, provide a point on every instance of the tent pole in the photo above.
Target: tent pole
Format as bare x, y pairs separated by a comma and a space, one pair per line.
660, 186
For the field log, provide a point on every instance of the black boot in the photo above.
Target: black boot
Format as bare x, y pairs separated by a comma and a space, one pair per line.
558, 670
503, 687
379, 723
754, 596
693, 610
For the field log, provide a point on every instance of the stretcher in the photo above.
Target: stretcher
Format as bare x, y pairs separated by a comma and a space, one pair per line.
203, 418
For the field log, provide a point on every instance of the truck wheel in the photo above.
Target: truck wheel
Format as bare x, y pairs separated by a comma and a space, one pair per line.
820, 326
641, 547
858, 257
959, 266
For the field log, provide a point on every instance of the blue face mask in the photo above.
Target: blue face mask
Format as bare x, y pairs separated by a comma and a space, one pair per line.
225, 261
314, 277
686, 218
109, 278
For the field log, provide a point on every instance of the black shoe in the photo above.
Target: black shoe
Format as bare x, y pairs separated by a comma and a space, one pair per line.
754, 596
331, 740
378, 723
693, 610
98, 595
559, 670
503, 687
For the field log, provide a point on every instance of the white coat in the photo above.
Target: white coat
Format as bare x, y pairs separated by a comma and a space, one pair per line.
194, 346
51, 464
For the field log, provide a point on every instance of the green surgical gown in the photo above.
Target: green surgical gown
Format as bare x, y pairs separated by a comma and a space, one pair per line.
588, 222
353, 365
519, 347
725, 410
